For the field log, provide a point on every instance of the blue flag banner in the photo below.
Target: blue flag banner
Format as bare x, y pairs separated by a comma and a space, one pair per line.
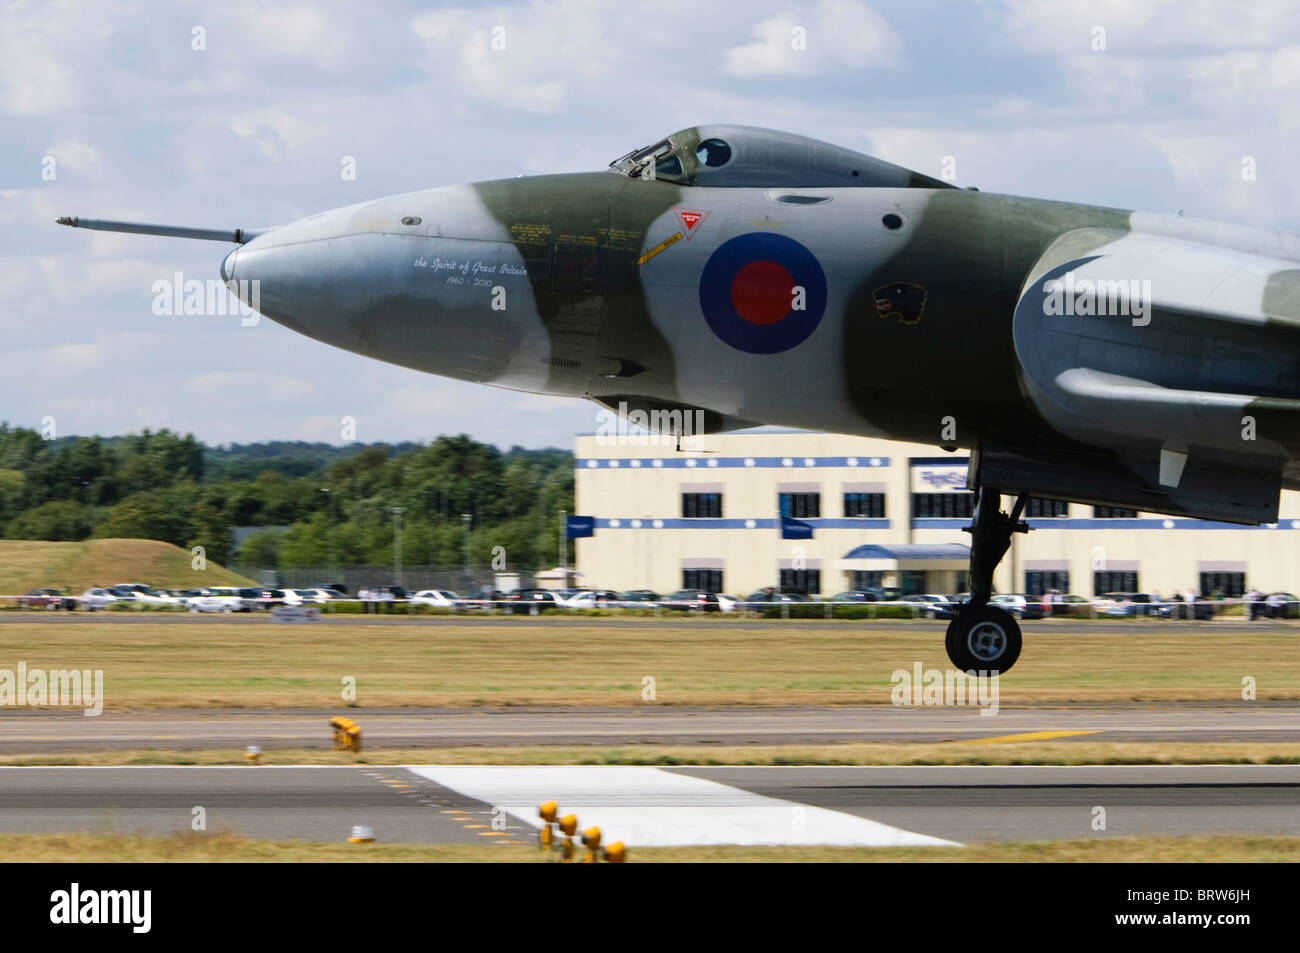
577, 527
792, 528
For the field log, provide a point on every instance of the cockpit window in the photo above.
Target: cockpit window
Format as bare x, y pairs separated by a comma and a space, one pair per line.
670, 166
713, 152
634, 163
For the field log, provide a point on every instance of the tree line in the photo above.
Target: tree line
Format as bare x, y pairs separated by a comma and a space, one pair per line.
322, 505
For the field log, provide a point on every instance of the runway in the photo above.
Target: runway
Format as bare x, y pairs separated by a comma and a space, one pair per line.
32, 731
873, 806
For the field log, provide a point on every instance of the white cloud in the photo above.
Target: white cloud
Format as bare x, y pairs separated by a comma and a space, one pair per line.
249, 390
838, 35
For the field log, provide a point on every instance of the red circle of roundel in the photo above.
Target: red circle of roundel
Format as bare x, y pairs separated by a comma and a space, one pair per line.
750, 290
760, 292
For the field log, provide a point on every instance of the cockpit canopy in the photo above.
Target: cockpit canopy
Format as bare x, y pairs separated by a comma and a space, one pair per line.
750, 157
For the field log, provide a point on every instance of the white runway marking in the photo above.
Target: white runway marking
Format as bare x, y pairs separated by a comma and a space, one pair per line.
649, 807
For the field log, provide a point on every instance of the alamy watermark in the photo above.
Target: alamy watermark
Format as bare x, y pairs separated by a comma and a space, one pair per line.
653, 428
57, 688
133, 908
1121, 297
936, 687
174, 297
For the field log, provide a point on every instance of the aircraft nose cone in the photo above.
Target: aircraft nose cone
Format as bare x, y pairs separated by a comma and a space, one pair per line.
228, 267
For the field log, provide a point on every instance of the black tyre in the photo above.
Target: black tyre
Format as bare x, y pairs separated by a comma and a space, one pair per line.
983, 639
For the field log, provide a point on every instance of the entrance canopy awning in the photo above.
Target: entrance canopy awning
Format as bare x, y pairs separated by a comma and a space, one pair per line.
909, 556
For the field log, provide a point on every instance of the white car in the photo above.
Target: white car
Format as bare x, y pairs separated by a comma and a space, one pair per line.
442, 598
220, 599
97, 598
1018, 606
592, 599
316, 595
157, 597
727, 603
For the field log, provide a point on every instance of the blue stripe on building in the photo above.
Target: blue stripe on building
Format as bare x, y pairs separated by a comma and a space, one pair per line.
713, 463
865, 523
769, 523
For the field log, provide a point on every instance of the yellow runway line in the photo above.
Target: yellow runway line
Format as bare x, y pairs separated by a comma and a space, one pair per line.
1027, 736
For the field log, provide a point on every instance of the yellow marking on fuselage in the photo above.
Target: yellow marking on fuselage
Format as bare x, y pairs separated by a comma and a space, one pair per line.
666, 243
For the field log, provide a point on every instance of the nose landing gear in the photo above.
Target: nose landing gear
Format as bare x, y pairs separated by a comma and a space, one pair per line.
984, 638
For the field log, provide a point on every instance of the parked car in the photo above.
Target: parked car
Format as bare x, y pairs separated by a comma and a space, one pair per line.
47, 599
853, 595
216, 599
761, 598
693, 600
1131, 603
261, 597
1019, 606
640, 595
98, 598
593, 599
156, 597
317, 595
532, 601
932, 606
639, 599
1072, 606
1280, 605
442, 598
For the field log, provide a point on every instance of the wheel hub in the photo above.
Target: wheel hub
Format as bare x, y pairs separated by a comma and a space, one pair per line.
987, 641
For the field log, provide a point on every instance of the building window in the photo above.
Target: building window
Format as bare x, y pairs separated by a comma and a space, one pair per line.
1104, 582
801, 506
1040, 509
867, 579
1113, 513
710, 580
865, 504
1230, 584
702, 505
806, 581
1039, 581
942, 505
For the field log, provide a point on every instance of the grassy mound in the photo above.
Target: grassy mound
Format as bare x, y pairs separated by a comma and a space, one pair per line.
28, 564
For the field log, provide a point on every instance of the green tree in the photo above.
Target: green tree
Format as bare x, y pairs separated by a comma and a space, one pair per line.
60, 520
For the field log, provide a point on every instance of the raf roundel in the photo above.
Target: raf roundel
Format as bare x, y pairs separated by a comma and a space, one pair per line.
763, 293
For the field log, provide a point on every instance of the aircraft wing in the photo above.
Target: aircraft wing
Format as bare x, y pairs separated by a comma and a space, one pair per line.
1177, 358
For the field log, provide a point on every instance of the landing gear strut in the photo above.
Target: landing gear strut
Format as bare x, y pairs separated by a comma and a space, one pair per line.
984, 638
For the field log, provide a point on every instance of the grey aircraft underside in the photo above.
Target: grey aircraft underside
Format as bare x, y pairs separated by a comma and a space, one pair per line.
756, 277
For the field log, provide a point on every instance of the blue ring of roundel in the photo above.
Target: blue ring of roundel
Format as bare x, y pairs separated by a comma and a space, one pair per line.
722, 316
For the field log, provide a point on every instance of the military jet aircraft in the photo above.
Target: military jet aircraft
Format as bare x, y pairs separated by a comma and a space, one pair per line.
1080, 353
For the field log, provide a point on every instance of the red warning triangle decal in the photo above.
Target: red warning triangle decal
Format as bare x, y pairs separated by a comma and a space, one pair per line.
691, 219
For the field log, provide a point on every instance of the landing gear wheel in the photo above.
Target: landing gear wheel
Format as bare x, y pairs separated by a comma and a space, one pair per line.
983, 639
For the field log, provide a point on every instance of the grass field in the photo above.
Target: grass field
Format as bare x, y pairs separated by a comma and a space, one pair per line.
267, 665
1078, 752
29, 564
227, 847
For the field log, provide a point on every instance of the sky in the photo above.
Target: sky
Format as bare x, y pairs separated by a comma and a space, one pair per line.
242, 114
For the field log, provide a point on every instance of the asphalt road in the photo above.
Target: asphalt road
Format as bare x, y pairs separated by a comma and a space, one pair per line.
849, 804
33, 731
1006, 803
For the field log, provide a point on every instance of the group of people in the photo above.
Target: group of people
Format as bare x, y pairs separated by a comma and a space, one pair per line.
1260, 606
371, 598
